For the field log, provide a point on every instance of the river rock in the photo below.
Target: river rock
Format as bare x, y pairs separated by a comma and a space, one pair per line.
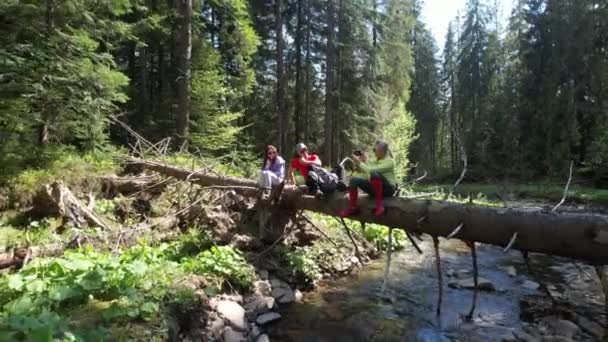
267, 318
277, 283
561, 327
215, 326
557, 339
298, 295
233, 298
462, 274
259, 305
283, 295
263, 274
524, 336
511, 271
262, 288
590, 326
231, 335
233, 313
263, 338
254, 331
482, 284
530, 285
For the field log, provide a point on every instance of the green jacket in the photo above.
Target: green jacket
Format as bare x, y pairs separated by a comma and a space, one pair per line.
385, 167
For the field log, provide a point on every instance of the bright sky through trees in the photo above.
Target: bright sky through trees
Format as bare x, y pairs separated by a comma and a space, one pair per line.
438, 13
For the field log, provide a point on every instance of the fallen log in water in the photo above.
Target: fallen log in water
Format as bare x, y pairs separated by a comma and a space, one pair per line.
577, 236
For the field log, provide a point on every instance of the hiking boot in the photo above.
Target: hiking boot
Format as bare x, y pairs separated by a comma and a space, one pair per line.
379, 211
351, 211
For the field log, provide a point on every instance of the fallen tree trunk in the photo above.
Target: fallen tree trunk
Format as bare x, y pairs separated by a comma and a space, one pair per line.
577, 236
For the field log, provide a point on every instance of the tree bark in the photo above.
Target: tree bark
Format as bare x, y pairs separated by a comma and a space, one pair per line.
329, 80
297, 119
576, 236
280, 77
308, 72
183, 54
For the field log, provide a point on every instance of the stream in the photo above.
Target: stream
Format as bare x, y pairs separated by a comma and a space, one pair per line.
512, 305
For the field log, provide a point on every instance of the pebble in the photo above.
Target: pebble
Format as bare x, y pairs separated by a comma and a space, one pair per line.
267, 318
283, 295
482, 284
524, 337
216, 327
590, 326
562, 327
262, 287
231, 335
511, 271
260, 305
298, 295
277, 283
254, 330
263, 338
530, 285
556, 339
233, 313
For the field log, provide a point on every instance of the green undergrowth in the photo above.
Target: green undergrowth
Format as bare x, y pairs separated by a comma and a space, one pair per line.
493, 195
76, 170
91, 295
374, 233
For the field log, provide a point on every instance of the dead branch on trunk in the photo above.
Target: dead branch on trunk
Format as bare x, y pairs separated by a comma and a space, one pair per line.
389, 251
511, 242
350, 236
439, 274
473, 248
565, 188
409, 237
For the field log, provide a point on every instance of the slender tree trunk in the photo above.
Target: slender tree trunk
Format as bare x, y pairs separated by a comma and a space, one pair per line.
183, 54
338, 114
329, 80
298, 89
280, 77
374, 24
43, 128
308, 72
144, 87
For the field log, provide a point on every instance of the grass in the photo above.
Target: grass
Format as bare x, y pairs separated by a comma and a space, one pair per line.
75, 170
538, 191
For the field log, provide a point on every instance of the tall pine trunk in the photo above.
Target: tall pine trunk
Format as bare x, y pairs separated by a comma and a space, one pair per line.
308, 72
298, 89
183, 61
329, 80
280, 77
338, 119
43, 128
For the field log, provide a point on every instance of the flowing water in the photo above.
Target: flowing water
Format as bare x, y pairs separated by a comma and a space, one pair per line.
354, 308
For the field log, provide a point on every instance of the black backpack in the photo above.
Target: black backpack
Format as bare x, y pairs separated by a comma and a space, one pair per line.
328, 181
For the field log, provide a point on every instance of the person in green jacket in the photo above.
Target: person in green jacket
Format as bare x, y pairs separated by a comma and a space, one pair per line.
379, 183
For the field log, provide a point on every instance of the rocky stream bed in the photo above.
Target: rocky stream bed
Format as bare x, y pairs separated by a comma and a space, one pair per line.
512, 305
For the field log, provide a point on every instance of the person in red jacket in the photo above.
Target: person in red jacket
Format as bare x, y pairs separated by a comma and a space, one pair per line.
304, 162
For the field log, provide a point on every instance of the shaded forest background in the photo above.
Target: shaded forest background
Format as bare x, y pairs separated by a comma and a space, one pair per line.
223, 78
